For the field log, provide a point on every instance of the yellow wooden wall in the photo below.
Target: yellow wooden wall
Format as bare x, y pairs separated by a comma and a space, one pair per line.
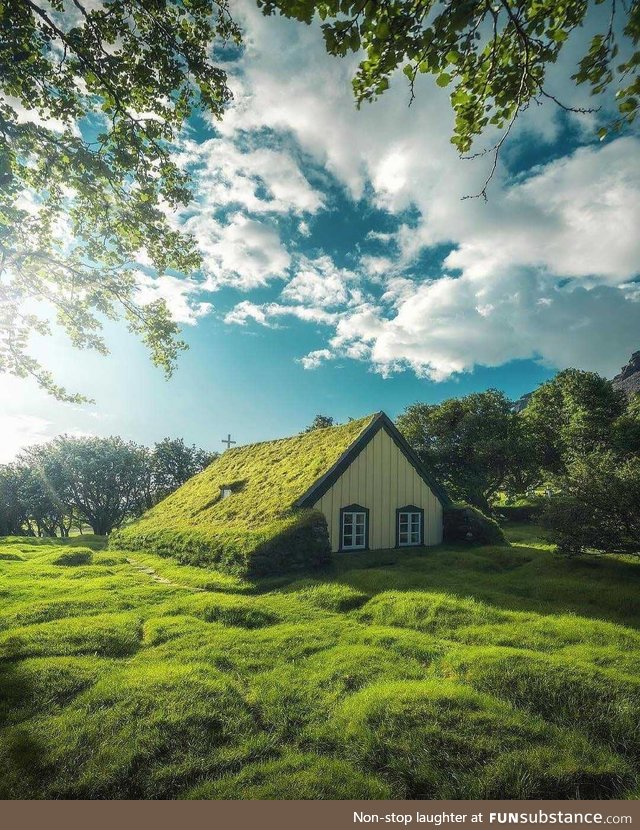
382, 479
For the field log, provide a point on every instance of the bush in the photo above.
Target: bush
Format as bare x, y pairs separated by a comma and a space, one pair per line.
464, 523
598, 507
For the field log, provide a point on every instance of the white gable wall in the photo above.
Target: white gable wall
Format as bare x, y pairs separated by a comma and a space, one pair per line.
382, 479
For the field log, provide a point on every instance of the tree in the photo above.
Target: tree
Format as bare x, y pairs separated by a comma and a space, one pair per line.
99, 477
13, 508
494, 55
598, 505
474, 444
626, 429
572, 415
94, 96
172, 463
320, 422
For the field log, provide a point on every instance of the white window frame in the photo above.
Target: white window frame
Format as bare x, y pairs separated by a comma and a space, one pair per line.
226, 493
356, 518
413, 520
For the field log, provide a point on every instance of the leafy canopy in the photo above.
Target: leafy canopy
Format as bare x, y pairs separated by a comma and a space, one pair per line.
92, 98
495, 56
320, 422
572, 415
476, 445
72, 481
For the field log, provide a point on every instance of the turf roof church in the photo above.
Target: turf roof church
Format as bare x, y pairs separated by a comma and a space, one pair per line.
288, 504
378, 494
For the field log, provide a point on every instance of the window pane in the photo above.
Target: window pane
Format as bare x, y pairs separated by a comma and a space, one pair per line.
354, 529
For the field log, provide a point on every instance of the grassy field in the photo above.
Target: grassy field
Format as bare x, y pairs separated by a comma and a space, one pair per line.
447, 673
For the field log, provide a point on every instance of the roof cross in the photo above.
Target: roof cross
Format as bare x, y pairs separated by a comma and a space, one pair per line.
228, 441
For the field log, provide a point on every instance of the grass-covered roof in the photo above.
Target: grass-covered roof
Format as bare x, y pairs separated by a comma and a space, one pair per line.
265, 479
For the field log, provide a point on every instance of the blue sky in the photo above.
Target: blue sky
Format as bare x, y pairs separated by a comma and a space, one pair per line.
343, 273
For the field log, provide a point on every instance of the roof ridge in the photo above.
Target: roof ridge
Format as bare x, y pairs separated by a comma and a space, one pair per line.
373, 416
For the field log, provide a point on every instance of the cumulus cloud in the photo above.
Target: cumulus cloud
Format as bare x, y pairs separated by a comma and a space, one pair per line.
320, 283
547, 269
316, 358
243, 252
267, 314
179, 294
451, 324
260, 180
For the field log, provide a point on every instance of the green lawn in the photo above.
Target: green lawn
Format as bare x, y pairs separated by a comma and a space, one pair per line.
446, 673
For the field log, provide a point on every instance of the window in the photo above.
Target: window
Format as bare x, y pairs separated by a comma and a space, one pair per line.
354, 527
409, 526
226, 492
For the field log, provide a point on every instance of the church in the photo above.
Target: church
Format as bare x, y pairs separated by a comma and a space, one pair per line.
378, 494
292, 503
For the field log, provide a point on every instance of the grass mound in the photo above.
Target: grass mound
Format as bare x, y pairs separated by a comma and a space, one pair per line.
438, 739
79, 556
109, 635
306, 777
433, 612
329, 596
558, 691
256, 530
488, 672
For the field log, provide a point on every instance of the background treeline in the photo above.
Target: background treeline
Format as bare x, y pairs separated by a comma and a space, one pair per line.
62, 486
572, 452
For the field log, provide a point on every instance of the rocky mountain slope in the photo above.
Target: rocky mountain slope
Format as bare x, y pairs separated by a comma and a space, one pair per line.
629, 378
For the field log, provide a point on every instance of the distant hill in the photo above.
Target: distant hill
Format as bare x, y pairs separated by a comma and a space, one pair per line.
628, 380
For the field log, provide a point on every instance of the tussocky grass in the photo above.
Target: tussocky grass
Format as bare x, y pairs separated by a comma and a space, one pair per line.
489, 672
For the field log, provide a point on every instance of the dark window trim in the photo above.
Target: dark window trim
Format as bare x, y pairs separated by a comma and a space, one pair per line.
355, 508
381, 421
409, 508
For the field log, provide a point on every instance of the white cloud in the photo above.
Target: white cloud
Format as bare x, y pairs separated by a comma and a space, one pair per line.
267, 313
452, 324
260, 180
573, 220
319, 282
244, 252
179, 294
316, 358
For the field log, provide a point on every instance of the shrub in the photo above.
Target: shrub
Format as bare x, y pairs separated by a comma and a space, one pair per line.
464, 523
525, 513
598, 506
